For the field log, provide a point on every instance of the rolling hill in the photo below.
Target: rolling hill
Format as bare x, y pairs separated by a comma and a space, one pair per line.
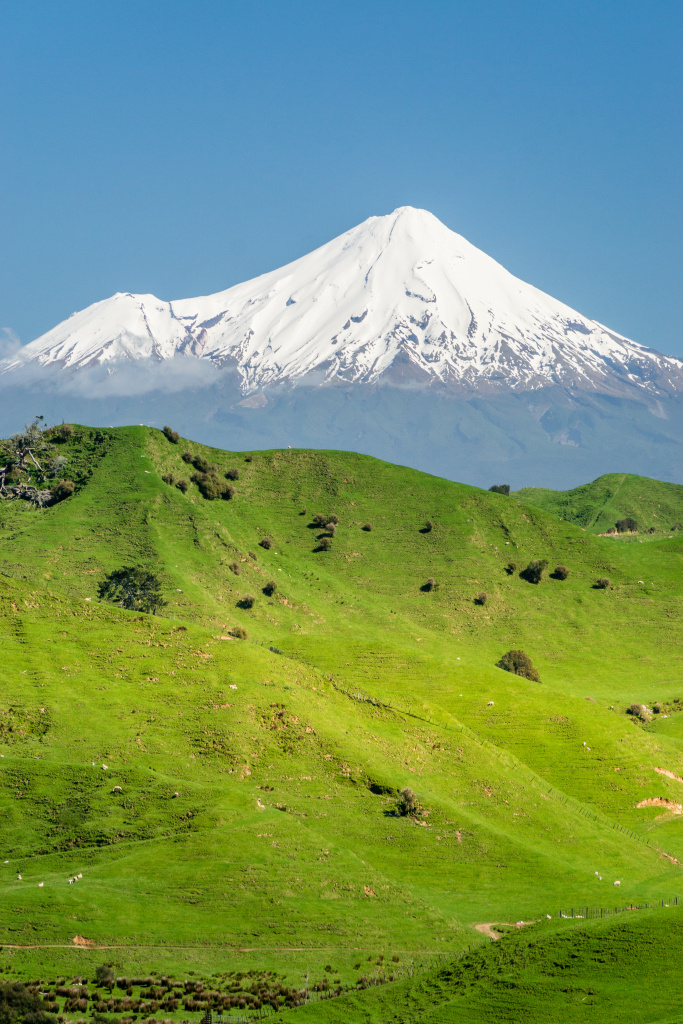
230, 803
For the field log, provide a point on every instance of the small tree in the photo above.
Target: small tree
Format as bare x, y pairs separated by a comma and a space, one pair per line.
182, 485
511, 568
325, 544
168, 478
602, 583
561, 572
270, 588
246, 602
186, 457
132, 588
481, 598
407, 802
637, 711
500, 488
239, 633
232, 474
429, 585
171, 435
266, 542
534, 570
519, 664
627, 525
104, 974
367, 527
428, 527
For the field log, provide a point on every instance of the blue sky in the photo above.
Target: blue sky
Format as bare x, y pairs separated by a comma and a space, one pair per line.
180, 147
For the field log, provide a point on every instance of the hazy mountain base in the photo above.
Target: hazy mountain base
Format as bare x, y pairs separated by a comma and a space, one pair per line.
552, 437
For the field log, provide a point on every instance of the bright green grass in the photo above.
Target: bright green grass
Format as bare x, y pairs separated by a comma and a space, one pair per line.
597, 506
379, 685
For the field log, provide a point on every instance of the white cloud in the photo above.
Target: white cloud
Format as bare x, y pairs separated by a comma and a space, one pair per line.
9, 343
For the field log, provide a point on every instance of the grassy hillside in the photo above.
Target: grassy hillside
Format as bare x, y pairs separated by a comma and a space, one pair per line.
258, 777
597, 506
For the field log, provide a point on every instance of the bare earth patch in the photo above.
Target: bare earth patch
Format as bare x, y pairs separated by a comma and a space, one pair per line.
487, 929
669, 775
659, 801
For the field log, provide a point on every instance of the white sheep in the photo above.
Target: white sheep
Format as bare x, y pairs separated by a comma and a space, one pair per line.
617, 883
490, 704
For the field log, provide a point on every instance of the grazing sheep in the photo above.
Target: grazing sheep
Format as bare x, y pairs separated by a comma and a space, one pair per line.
617, 883
175, 795
490, 704
117, 789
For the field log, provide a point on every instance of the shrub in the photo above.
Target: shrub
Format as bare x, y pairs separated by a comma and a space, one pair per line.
561, 572
182, 485
227, 492
171, 435
186, 457
62, 489
235, 567
519, 664
602, 583
246, 602
253, 555
132, 588
266, 542
232, 474
481, 598
320, 520
324, 545
104, 974
407, 802
239, 633
429, 585
207, 484
428, 527
651, 530
63, 433
511, 568
500, 488
534, 570
367, 527
627, 525
658, 707
168, 478
203, 465
333, 519
270, 588
248, 458
331, 529
676, 526
637, 710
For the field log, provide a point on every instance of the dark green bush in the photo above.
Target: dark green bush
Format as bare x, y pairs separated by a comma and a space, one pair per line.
203, 465
481, 598
324, 545
407, 802
534, 570
62, 489
511, 568
500, 488
270, 588
171, 435
182, 485
253, 555
62, 433
602, 583
429, 585
168, 478
266, 542
320, 520
239, 633
428, 527
637, 711
367, 527
246, 602
627, 525
227, 492
561, 572
235, 567
519, 664
132, 588
232, 474
658, 707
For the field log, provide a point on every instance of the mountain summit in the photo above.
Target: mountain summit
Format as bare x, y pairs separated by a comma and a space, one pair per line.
399, 296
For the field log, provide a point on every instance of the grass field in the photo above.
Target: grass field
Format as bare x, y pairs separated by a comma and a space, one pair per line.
254, 826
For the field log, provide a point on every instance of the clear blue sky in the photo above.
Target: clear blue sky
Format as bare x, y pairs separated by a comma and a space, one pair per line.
180, 147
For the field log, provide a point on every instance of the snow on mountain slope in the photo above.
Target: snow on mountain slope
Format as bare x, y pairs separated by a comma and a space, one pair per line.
399, 291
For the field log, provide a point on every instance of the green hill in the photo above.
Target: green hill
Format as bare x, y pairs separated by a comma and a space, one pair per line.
657, 507
230, 802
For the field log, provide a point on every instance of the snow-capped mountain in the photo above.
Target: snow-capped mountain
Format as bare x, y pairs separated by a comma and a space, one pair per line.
399, 291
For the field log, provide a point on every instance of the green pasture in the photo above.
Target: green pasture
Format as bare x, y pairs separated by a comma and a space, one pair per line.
245, 815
